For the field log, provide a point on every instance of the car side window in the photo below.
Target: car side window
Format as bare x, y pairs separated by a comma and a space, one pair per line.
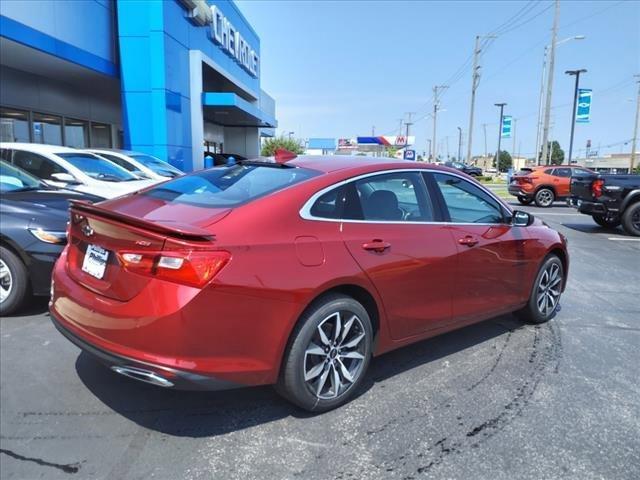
5, 154
329, 205
579, 172
562, 172
396, 196
35, 164
466, 202
549, 171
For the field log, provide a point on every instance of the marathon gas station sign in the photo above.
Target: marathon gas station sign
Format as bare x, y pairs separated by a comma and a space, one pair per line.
223, 33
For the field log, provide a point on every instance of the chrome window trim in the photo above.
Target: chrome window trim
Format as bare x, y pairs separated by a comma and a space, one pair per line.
305, 211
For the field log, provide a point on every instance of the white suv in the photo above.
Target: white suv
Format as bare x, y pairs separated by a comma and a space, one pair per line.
73, 169
140, 164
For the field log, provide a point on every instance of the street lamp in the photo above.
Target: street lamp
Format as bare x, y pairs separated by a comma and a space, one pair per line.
459, 144
541, 96
576, 73
501, 105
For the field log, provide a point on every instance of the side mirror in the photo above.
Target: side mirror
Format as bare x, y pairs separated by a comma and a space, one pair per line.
521, 219
64, 178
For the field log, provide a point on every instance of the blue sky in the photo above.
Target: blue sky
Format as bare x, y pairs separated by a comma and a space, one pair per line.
338, 68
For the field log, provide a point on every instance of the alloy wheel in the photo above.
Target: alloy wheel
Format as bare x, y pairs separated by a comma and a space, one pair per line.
335, 355
545, 197
6, 281
635, 219
548, 293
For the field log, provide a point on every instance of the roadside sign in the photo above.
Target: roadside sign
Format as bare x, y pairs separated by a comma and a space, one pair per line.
507, 120
409, 154
583, 112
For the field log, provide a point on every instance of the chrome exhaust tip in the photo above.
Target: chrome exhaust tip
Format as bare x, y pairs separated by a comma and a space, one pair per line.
142, 375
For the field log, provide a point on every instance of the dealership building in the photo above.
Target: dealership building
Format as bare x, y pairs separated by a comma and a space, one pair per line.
173, 78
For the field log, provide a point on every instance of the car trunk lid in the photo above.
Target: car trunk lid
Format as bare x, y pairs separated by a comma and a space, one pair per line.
98, 236
581, 186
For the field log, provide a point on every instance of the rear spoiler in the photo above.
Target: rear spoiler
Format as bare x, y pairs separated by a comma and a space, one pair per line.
165, 227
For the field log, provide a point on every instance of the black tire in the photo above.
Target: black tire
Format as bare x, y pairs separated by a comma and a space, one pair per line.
631, 219
532, 313
17, 279
606, 222
304, 393
545, 197
524, 200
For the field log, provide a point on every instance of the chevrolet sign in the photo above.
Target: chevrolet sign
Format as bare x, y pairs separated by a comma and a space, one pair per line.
223, 33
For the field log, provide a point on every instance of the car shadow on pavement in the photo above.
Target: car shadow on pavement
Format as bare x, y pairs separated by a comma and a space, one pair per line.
204, 414
35, 306
593, 228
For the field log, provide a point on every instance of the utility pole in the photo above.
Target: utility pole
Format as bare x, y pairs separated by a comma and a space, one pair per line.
434, 143
401, 120
475, 80
486, 151
429, 149
408, 123
373, 131
552, 61
540, 99
459, 144
635, 131
501, 105
575, 105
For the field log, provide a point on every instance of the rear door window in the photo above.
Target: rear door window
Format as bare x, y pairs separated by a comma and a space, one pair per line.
396, 196
562, 172
229, 187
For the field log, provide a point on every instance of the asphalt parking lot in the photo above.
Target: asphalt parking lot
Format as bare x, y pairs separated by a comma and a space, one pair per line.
497, 400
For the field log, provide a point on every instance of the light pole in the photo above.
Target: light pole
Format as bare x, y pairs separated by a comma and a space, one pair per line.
501, 105
632, 160
429, 149
576, 73
541, 95
475, 80
552, 60
459, 144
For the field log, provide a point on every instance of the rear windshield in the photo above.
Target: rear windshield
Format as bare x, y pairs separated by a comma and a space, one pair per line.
98, 168
228, 187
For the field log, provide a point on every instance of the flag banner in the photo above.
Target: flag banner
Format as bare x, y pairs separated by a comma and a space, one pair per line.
583, 112
507, 121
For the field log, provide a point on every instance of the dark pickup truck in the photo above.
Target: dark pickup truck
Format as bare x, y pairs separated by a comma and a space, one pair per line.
610, 199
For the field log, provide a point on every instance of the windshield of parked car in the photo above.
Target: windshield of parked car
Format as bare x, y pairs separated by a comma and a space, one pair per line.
228, 187
157, 165
98, 168
13, 179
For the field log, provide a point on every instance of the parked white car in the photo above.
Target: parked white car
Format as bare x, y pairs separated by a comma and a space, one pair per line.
141, 164
73, 169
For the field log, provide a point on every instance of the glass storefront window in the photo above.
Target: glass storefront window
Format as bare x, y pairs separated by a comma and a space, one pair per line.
47, 129
100, 135
14, 125
76, 133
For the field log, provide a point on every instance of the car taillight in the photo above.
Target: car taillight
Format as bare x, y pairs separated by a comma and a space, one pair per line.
193, 267
524, 180
596, 187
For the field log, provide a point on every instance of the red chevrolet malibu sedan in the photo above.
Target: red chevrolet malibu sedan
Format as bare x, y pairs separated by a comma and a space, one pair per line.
295, 273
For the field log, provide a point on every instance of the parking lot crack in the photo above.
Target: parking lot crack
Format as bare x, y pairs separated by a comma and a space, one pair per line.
66, 468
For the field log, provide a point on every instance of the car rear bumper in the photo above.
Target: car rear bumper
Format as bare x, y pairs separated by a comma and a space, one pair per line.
146, 372
588, 208
518, 192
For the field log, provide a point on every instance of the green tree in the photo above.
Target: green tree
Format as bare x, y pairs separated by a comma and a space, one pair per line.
505, 160
272, 144
557, 154
390, 152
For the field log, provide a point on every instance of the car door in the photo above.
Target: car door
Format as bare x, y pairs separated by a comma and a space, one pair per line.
492, 267
562, 181
388, 227
38, 165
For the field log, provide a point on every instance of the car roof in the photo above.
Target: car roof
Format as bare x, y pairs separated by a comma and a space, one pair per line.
332, 163
39, 147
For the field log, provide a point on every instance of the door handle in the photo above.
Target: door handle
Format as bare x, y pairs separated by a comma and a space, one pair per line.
469, 241
376, 245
